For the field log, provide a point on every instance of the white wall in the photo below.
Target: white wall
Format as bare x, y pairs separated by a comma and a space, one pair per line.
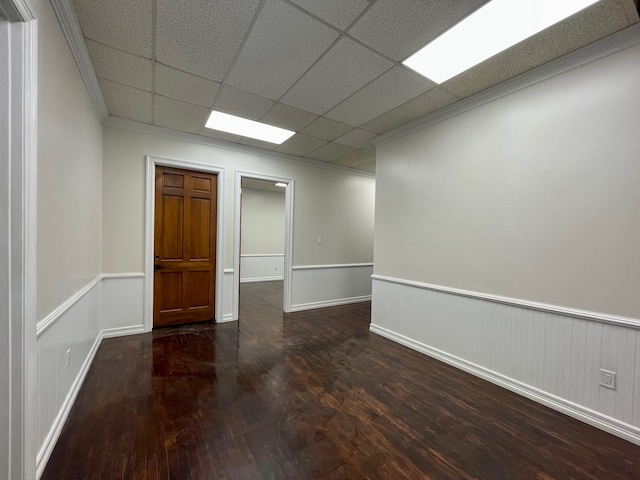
336, 205
69, 171
69, 230
262, 222
262, 235
534, 196
531, 201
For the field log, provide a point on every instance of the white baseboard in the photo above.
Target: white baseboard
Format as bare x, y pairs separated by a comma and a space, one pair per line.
260, 279
319, 286
227, 317
329, 303
122, 331
54, 433
596, 419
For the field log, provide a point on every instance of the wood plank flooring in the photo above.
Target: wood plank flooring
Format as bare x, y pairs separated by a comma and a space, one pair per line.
310, 395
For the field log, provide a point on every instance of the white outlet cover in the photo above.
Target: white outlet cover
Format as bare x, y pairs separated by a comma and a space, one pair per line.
608, 379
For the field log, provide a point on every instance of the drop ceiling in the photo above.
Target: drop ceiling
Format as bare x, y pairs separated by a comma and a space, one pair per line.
330, 70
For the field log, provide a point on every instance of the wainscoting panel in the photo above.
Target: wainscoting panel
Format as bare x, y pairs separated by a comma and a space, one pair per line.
318, 286
553, 358
73, 327
122, 304
261, 267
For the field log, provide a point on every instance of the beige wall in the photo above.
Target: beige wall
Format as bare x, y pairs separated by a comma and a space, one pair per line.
534, 196
262, 222
332, 204
69, 171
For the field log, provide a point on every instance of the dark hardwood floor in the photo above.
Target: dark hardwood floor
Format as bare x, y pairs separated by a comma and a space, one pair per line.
311, 395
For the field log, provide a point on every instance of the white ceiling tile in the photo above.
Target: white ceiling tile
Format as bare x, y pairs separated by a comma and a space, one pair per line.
284, 116
178, 115
356, 158
329, 152
218, 135
122, 24
339, 13
393, 88
428, 102
243, 104
126, 102
258, 143
183, 86
300, 145
327, 129
593, 23
399, 29
282, 45
121, 67
346, 68
357, 138
201, 36
367, 167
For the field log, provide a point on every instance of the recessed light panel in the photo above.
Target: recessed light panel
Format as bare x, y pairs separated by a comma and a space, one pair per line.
247, 128
495, 27
279, 184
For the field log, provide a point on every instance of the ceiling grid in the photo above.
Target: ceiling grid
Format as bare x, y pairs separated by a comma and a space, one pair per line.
330, 71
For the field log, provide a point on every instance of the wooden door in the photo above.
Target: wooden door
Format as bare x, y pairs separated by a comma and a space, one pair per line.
185, 246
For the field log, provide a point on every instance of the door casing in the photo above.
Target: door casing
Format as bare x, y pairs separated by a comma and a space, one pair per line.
152, 162
288, 235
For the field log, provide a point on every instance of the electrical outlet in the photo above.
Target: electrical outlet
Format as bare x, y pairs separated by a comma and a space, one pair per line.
608, 379
319, 240
67, 358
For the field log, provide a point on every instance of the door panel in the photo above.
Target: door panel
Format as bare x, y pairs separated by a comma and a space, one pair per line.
185, 233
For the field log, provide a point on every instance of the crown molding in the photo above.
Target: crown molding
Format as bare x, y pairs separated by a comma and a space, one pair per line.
145, 128
18, 10
614, 43
72, 32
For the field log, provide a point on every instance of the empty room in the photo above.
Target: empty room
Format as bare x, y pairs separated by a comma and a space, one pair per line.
341, 239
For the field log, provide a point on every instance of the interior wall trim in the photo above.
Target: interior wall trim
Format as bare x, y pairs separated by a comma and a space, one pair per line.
149, 225
289, 194
44, 324
124, 275
229, 270
262, 255
543, 307
329, 303
335, 265
614, 43
72, 32
596, 419
212, 142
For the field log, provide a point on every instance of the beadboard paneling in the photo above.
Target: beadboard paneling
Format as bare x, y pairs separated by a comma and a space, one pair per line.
553, 358
122, 303
261, 267
76, 327
317, 286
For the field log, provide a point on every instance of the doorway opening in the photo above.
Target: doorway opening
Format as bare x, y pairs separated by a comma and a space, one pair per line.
263, 236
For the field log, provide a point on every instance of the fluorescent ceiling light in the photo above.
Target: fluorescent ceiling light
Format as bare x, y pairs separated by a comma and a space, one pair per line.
279, 184
495, 27
247, 128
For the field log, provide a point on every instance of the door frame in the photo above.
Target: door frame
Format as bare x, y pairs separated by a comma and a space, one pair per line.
19, 248
152, 162
288, 235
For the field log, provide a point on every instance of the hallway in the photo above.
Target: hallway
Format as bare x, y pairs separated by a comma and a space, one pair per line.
310, 395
